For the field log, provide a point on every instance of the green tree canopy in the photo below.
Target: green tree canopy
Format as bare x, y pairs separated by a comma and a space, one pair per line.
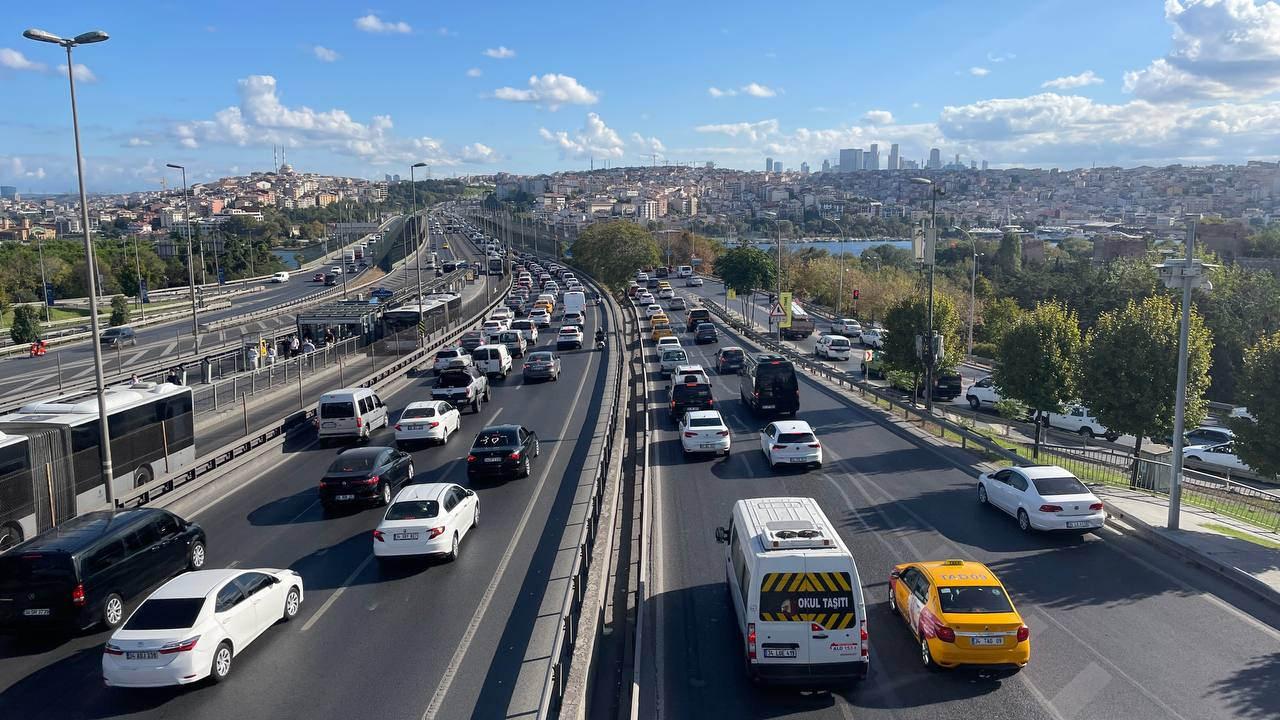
998, 317
119, 311
746, 268
908, 318
613, 252
1009, 256
1258, 438
26, 324
1242, 308
1039, 356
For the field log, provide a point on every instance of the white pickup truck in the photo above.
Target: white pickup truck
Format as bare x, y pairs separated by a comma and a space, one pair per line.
1078, 419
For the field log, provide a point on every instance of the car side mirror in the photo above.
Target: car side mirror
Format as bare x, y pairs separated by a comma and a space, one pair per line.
895, 574
274, 580
722, 535
471, 493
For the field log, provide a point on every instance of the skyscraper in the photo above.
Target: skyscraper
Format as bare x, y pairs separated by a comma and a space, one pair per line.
859, 159
804, 168
826, 165
984, 165
935, 159
768, 164
893, 157
873, 157
848, 162
958, 160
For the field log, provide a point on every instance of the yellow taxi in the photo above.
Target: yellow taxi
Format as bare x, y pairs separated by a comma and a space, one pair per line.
664, 285
961, 615
543, 305
660, 317
661, 329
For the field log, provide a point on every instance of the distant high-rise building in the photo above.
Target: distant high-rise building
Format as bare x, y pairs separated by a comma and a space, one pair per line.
8, 192
893, 157
388, 177
958, 160
804, 168
395, 178
910, 165
935, 159
826, 165
973, 164
768, 164
984, 165
711, 164
859, 159
848, 163
873, 157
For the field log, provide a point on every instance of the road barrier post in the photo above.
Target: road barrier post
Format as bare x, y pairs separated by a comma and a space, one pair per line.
58, 357
244, 407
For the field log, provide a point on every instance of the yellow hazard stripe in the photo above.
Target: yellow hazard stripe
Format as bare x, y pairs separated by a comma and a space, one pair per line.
795, 584
843, 581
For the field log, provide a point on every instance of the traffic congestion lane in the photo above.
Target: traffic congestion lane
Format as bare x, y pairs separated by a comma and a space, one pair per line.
1114, 625
387, 638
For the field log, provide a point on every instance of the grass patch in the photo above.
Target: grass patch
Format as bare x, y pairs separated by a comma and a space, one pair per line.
1241, 535
55, 313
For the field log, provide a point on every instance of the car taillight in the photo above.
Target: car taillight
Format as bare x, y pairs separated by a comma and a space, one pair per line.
862, 634
359, 422
1024, 632
471, 458
1095, 506
944, 633
77, 595
177, 647
778, 447
377, 535
433, 424
690, 434
110, 649
1050, 508
371, 481
751, 641
815, 445
514, 456
435, 532
397, 427
723, 433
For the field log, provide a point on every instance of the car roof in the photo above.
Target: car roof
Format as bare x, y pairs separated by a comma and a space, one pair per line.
506, 427
422, 491
424, 403
197, 583
958, 572
1033, 472
704, 414
83, 530
792, 426
370, 451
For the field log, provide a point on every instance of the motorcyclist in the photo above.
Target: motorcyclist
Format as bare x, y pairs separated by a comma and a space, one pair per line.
600, 337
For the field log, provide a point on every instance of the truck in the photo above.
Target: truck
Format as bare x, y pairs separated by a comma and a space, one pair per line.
360, 251
802, 325
461, 385
349, 257
575, 302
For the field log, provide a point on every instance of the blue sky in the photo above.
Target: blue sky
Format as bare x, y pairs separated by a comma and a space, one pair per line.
539, 87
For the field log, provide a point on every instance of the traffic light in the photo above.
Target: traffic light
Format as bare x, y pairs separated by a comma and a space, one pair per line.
855, 293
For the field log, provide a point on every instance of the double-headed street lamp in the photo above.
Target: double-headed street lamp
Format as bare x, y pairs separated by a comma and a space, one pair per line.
931, 242
191, 268
91, 266
417, 244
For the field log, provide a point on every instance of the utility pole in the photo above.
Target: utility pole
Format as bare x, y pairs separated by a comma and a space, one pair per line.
931, 241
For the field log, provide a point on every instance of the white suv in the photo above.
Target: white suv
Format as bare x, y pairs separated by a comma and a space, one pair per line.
1078, 419
982, 393
833, 347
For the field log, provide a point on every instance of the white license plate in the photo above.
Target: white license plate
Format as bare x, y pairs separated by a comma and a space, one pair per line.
993, 640
780, 652
36, 612
405, 536
497, 459
768, 407
799, 460
344, 497
142, 655
1078, 524
413, 427
705, 446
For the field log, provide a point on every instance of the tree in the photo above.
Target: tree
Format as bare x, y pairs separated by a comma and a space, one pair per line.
613, 252
1129, 373
313, 230
1039, 356
998, 316
1009, 256
744, 269
1258, 437
1242, 308
26, 324
907, 319
119, 311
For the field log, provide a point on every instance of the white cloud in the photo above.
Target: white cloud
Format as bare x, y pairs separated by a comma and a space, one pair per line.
479, 153
552, 90
374, 24
758, 90
1221, 49
15, 167
15, 60
1067, 82
752, 131
878, 117
324, 54
82, 73
999, 57
595, 139
502, 52
979, 71
474, 72
716, 92
649, 144
138, 142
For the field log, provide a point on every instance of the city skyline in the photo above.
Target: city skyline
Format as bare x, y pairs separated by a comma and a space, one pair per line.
1194, 84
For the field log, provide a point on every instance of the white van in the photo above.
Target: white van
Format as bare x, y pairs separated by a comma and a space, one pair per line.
280, 277
492, 359
350, 413
684, 271
795, 592
575, 301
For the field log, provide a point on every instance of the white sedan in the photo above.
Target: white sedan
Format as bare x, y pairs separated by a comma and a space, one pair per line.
654, 309
790, 442
694, 281
195, 625
427, 420
1042, 497
1223, 454
704, 431
426, 519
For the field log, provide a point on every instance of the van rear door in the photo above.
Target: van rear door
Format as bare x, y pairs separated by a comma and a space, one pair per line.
782, 634
836, 633
338, 414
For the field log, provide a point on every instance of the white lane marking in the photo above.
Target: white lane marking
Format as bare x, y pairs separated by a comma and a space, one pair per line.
168, 349
460, 653
328, 603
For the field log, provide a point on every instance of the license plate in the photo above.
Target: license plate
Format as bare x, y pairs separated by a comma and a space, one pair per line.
1078, 524
992, 640
413, 427
405, 536
327, 424
707, 445
799, 460
344, 497
768, 407
142, 655
497, 459
36, 612
780, 652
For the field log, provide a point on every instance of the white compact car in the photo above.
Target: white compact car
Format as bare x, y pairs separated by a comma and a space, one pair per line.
654, 309
541, 318
833, 347
644, 298
1042, 497
572, 318
668, 342
1223, 454
570, 336
874, 337
694, 281
194, 626
790, 442
426, 519
666, 294
427, 421
847, 327
704, 431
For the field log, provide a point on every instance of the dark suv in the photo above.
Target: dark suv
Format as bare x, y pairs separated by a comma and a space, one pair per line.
118, 336
690, 396
87, 569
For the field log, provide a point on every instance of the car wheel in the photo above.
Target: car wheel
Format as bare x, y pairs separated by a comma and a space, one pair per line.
926, 657
523, 472
982, 494
974, 402
10, 535
196, 556
475, 406
221, 662
537, 448
1111, 437
384, 496
1194, 457
486, 392
453, 550
475, 519
292, 603
112, 611
1085, 432
142, 476
893, 599
1024, 521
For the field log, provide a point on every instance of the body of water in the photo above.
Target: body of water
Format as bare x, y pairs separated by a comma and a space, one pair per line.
852, 247
289, 256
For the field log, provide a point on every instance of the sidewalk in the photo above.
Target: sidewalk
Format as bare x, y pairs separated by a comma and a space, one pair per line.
1243, 554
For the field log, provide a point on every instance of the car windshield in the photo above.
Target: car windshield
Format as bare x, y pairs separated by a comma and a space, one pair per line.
352, 463
418, 412
704, 422
165, 614
337, 409
974, 599
413, 510
1059, 486
670, 355
495, 438
796, 438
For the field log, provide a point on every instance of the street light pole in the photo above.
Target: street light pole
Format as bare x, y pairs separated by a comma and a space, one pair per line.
91, 266
840, 282
418, 244
44, 282
973, 285
191, 269
137, 264
930, 250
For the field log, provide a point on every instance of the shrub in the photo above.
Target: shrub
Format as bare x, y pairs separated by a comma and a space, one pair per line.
985, 350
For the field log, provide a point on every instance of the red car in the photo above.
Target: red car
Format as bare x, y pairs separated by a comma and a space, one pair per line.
318, 277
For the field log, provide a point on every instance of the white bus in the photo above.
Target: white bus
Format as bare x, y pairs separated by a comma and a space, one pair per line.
50, 453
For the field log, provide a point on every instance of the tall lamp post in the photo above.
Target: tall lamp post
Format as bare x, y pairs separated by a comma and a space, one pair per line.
91, 266
931, 242
191, 269
840, 283
973, 285
417, 237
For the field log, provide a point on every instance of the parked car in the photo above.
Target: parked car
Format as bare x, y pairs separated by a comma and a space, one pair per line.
1206, 435
1042, 497
1078, 419
1223, 454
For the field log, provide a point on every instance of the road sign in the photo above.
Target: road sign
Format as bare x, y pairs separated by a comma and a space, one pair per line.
731, 294
784, 299
776, 311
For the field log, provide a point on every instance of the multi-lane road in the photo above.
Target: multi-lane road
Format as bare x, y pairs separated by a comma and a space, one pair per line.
422, 641
1117, 629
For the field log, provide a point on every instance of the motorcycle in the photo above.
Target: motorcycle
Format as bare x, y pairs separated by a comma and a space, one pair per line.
39, 348
599, 343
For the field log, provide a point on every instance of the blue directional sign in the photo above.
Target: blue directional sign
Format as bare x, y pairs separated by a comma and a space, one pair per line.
142, 291
48, 294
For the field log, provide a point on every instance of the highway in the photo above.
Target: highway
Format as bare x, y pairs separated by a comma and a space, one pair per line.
1117, 629
426, 640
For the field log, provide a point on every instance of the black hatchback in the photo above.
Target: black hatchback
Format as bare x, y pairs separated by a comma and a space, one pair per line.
84, 571
363, 475
503, 451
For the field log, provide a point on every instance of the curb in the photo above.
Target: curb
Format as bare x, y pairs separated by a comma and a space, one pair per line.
1132, 526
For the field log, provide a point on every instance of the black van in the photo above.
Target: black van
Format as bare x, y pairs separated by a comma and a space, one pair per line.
690, 396
86, 570
769, 385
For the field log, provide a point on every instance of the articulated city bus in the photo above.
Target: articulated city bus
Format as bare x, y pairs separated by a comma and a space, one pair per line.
435, 309
50, 453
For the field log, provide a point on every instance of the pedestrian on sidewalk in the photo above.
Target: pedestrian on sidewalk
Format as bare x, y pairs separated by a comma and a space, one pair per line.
308, 346
271, 354
293, 345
